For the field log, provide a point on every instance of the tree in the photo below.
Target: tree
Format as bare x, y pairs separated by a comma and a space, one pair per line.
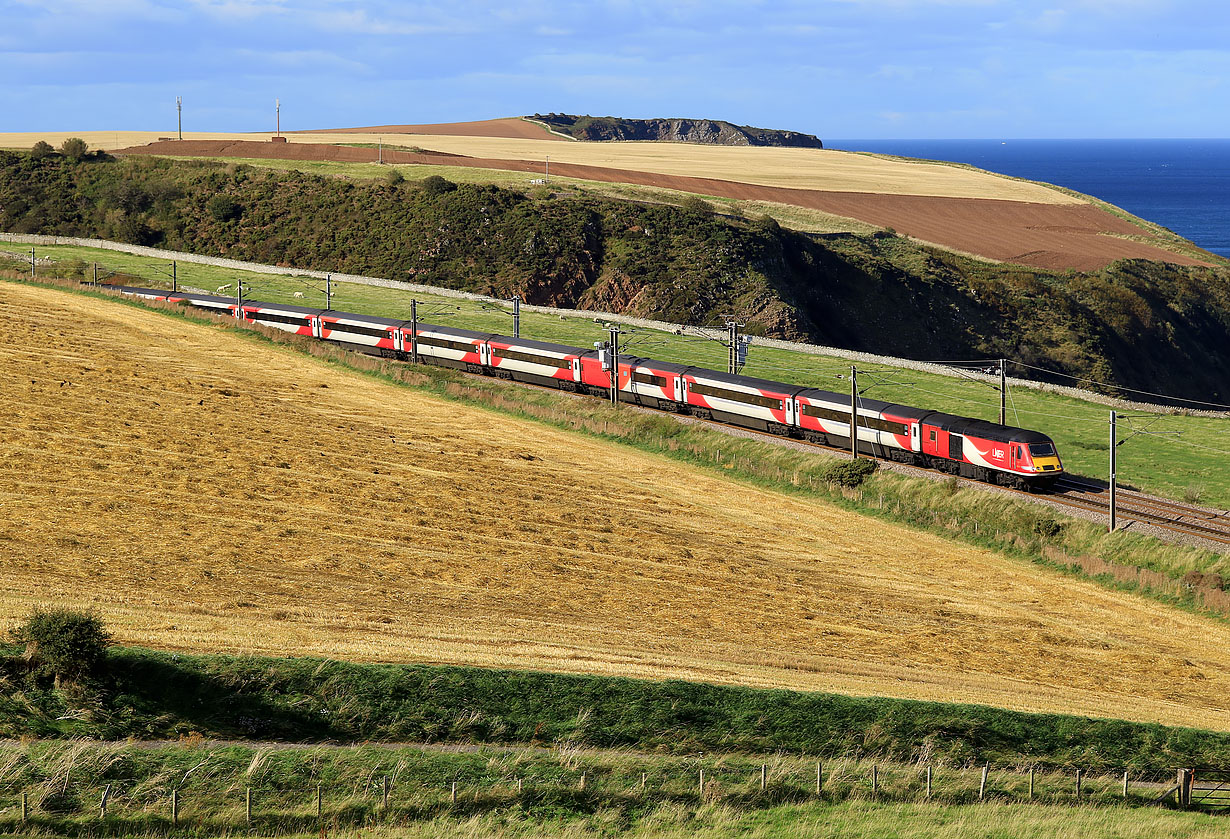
74, 148
41, 149
66, 642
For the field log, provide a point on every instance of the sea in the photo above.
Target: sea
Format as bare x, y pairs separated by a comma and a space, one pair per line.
1183, 185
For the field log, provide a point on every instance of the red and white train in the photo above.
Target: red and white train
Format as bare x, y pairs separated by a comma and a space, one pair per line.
958, 445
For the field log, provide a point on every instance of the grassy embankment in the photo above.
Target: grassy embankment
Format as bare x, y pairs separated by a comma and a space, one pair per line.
1181, 457
562, 791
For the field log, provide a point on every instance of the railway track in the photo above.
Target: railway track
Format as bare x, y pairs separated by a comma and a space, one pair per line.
1173, 516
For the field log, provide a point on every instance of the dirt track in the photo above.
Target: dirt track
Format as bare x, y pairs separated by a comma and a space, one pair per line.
1054, 236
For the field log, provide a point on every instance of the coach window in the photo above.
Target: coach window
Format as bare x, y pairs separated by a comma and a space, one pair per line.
931, 434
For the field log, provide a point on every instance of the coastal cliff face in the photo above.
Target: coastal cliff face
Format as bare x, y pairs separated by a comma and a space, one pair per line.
704, 131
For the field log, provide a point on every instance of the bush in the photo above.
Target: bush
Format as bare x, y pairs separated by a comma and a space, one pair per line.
850, 473
394, 177
696, 206
68, 643
74, 148
41, 149
224, 208
436, 185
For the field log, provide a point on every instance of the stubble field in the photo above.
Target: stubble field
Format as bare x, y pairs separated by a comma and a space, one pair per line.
208, 491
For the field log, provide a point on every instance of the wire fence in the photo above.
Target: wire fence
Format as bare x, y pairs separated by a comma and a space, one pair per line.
243, 798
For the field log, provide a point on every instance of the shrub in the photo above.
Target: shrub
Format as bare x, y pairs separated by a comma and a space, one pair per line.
696, 206
224, 208
436, 185
68, 643
41, 149
74, 148
850, 473
394, 177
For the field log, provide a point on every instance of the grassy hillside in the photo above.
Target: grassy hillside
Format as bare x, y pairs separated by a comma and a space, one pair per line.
1149, 325
1181, 459
270, 502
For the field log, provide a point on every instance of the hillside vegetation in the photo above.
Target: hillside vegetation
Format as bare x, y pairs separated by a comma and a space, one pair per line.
1149, 325
270, 502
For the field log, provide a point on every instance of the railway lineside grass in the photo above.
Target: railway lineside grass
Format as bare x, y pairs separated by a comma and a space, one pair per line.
64, 783
1181, 456
1123, 560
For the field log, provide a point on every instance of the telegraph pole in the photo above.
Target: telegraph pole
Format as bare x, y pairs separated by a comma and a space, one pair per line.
1114, 444
516, 301
179, 108
174, 278
277, 106
1003, 393
854, 411
615, 333
414, 331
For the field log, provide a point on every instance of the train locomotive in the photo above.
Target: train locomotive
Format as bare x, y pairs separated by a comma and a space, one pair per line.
956, 445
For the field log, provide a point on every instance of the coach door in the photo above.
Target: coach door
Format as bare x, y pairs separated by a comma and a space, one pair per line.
916, 436
678, 385
396, 335
317, 330
955, 450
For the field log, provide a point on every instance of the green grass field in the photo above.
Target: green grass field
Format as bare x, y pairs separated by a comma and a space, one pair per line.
553, 791
1174, 455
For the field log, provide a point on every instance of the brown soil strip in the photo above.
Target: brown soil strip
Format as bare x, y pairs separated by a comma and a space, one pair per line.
509, 127
1079, 237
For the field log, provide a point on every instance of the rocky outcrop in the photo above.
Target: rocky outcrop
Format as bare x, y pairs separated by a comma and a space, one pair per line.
705, 131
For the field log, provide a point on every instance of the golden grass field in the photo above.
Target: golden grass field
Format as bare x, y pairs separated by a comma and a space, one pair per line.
210, 492
819, 169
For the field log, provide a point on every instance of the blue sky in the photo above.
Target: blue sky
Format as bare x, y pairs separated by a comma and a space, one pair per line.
835, 68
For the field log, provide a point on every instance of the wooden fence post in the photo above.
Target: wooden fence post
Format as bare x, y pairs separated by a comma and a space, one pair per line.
384, 800
982, 787
248, 805
819, 777
102, 805
928, 782
518, 786
1078, 783
174, 808
1031, 783
319, 803
25, 807
764, 776
643, 781
875, 780
702, 785
582, 780
454, 797
1125, 783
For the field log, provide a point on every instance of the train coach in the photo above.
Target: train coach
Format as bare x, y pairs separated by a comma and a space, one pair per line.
956, 445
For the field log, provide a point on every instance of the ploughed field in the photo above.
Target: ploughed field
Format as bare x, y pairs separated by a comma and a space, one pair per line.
204, 490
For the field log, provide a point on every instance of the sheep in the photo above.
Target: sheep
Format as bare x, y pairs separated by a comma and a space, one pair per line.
298, 293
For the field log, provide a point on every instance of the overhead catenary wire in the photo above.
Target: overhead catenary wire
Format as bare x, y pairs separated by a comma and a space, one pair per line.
1124, 388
